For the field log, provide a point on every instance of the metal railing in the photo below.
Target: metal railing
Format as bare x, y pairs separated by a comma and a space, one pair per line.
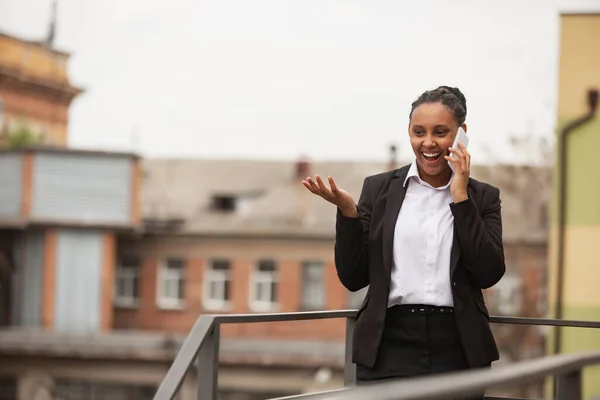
202, 346
460, 384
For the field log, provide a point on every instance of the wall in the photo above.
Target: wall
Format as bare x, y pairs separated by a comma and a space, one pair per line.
33, 60
35, 88
11, 177
78, 281
28, 278
64, 280
525, 262
232, 380
243, 253
42, 113
579, 60
82, 188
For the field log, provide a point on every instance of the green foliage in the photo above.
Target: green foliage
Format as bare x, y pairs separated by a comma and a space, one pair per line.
20, 137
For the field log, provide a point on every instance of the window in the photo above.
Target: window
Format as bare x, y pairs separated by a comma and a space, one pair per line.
217, 285
355, 299
224, 203
171, 283
127, 282
264, 286
313, 287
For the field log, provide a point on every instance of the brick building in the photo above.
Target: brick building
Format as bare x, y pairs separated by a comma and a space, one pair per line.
107, 260
35, 91
247, 237
243, 237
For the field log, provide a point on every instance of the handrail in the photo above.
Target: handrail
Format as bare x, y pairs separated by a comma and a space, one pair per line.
468, 383
205, 335
201, 330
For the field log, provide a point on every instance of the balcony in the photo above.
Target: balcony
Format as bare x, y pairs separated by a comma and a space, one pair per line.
42, 186
201, 348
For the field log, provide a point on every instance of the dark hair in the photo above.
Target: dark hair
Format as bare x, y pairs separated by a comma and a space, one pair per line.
451, 98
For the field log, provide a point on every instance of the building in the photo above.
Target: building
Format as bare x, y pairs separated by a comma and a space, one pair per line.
61, 210
35, 92
245, 237
576, 271
107, 260
248, 237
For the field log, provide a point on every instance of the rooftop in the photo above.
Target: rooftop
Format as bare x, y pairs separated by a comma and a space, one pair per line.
262, 198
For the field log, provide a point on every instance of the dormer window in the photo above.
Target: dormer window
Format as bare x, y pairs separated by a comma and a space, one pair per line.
233, 202
224, 203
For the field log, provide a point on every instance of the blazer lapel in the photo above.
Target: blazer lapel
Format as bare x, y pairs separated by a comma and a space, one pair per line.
455, 251
395, 197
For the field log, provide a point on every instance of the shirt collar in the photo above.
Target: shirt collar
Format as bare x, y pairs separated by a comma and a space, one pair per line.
413, 172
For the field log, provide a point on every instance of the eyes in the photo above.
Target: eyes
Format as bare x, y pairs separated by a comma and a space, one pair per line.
437, 132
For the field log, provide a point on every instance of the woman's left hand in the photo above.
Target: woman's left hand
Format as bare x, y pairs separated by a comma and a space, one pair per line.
462, 171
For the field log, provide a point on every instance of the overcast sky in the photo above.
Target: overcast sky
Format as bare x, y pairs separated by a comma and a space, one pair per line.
278, 78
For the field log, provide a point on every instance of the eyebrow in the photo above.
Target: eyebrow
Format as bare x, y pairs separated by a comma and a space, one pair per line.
439, 126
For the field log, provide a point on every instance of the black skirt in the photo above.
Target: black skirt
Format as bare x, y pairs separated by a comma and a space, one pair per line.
417, 340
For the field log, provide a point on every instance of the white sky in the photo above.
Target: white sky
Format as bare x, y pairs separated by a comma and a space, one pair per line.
277, 78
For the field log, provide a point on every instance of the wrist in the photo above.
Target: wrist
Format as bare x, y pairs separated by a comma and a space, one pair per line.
349, 211
460, 197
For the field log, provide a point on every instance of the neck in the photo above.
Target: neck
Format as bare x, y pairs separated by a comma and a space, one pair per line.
438, 180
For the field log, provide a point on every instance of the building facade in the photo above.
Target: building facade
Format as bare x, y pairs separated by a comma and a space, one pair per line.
244, 238
35, 91
578, 270
106, 260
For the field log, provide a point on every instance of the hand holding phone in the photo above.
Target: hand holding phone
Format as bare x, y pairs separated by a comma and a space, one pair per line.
462, 138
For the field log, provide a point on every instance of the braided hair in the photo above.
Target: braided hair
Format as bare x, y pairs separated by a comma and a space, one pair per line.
451, 98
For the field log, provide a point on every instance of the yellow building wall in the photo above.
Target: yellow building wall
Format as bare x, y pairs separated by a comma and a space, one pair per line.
579, 72
33, 60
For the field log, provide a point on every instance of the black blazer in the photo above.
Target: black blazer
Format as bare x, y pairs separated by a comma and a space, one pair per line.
364, 256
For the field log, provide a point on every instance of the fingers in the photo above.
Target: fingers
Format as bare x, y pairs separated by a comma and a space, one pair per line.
321, 184
332, 184
317, 186
308, 186
461, 159
463, 149
311, 185
466, 155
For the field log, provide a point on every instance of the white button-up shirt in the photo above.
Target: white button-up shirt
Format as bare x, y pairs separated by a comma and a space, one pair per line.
422, 244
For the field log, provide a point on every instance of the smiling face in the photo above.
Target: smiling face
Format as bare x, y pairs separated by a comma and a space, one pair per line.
432, 130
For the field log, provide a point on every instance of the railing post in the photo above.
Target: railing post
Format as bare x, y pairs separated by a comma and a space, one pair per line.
569, 386
349, 366
208, 366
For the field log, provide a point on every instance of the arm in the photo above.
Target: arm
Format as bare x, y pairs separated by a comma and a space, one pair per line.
351, 244
480, 238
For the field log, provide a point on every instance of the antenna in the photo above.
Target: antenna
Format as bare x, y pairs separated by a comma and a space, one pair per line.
52, 24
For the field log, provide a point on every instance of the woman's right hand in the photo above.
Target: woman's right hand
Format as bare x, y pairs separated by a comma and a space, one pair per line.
339, 197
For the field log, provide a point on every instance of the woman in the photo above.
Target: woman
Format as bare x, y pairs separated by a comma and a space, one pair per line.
426, 240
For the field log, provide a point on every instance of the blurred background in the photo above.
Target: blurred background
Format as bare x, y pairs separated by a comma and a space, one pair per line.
151, 158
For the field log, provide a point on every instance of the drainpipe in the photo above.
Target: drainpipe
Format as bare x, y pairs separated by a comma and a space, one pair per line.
592, 100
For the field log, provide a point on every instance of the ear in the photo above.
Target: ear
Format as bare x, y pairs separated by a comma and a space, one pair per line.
464, 126
408, 128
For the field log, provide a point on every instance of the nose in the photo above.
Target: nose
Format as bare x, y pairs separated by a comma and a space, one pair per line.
429, 141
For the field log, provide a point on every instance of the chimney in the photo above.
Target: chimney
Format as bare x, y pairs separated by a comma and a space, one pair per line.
393, 164
302, 169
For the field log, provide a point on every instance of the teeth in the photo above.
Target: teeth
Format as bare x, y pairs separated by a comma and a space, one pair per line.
431, 154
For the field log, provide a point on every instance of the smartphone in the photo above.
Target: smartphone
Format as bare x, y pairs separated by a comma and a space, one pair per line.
462, 138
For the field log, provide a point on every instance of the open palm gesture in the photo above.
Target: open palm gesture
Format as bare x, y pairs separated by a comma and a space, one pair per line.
339, 197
